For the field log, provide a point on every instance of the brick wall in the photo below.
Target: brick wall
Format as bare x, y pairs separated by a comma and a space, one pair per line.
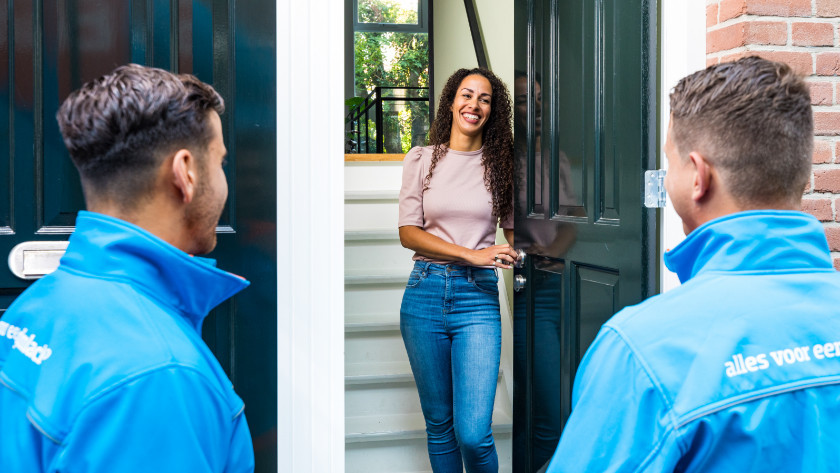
806, 35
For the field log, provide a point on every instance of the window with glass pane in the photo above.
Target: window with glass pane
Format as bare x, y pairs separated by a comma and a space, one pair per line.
395, 12
391, 67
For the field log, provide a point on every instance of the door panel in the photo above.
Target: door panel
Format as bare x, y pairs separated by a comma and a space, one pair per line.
50, 48
596, 296
585, 144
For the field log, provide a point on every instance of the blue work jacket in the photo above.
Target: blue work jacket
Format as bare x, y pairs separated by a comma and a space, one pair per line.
102, 365
737, 370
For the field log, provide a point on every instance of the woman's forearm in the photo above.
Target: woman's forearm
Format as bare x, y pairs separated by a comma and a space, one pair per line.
431, 246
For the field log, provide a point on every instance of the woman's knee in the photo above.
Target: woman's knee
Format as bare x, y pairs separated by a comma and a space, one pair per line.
474, 440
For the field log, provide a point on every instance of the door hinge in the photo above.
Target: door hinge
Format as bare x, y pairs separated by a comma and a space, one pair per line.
655, 189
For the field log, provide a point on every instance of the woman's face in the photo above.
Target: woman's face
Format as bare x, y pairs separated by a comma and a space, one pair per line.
471, 107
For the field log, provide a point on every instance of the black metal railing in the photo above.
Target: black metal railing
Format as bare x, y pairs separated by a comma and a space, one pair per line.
366, 120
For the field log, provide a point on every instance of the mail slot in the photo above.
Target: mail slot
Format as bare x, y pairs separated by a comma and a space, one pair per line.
35, 259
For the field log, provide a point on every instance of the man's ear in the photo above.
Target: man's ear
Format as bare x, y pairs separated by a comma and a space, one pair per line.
702, 181
184, 174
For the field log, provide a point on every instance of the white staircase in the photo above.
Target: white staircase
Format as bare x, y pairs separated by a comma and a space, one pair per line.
384, 429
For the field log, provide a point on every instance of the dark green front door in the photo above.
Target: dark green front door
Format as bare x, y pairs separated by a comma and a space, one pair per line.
585, 135
49, 48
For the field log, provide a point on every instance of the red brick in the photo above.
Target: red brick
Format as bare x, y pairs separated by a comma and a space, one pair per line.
827, 123
779, 7
828, 8
726, 38
828, 64
731, 8
746, 32
832, 234
711, 15
819, 208
822, 93
837, 206
711, 61
767, 32
801, 62
813, 34
837, 264
837, 151
827, 180
822, 152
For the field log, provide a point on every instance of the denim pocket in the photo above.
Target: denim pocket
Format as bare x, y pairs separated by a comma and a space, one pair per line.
488, 284
415, 277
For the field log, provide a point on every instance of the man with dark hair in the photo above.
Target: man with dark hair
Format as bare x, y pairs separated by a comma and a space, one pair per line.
737, 370
102, 366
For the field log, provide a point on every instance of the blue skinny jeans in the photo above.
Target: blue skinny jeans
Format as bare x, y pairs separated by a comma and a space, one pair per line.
451, 327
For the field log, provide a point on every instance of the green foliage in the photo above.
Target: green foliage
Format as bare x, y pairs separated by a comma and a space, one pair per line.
393, 59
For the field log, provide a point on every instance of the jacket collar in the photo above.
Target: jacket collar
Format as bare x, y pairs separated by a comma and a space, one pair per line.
107, 247
756, 240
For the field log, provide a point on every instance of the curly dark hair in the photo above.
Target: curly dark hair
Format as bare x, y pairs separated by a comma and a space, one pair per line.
497, 138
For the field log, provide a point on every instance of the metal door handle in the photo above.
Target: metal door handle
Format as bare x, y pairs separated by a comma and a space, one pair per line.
519, 282
36, 259
520, 261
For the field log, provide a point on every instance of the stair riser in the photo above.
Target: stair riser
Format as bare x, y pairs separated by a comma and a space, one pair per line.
377, 256
371, 215
381, 399
372, 176
369, 299
366, 347
409, 455
386, 399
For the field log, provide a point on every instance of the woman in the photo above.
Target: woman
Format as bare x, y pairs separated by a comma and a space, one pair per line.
453, 194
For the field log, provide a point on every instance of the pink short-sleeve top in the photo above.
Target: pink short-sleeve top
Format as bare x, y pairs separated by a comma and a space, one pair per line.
457, 207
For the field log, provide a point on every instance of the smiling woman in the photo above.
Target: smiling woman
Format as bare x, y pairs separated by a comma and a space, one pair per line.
454, 192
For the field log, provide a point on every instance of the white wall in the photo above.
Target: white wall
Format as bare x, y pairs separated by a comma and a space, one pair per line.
683, 51
453, 41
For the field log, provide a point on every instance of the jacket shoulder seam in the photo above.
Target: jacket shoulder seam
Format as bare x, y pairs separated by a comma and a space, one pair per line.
715, 407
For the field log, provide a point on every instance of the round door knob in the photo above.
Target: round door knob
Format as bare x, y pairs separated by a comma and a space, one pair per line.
520, 260
519, 282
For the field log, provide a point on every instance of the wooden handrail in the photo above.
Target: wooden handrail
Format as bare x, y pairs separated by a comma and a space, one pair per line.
373, 157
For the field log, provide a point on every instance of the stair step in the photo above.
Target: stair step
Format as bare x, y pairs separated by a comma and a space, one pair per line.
406, 456
404, 426
357, 277
371, 235
372, 323
372, 195
378, 373
382, 372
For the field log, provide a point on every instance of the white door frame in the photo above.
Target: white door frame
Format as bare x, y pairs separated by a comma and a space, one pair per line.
683, 51
310, 219
310, 235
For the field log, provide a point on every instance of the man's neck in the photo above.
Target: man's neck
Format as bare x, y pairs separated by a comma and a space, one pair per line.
157, 218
